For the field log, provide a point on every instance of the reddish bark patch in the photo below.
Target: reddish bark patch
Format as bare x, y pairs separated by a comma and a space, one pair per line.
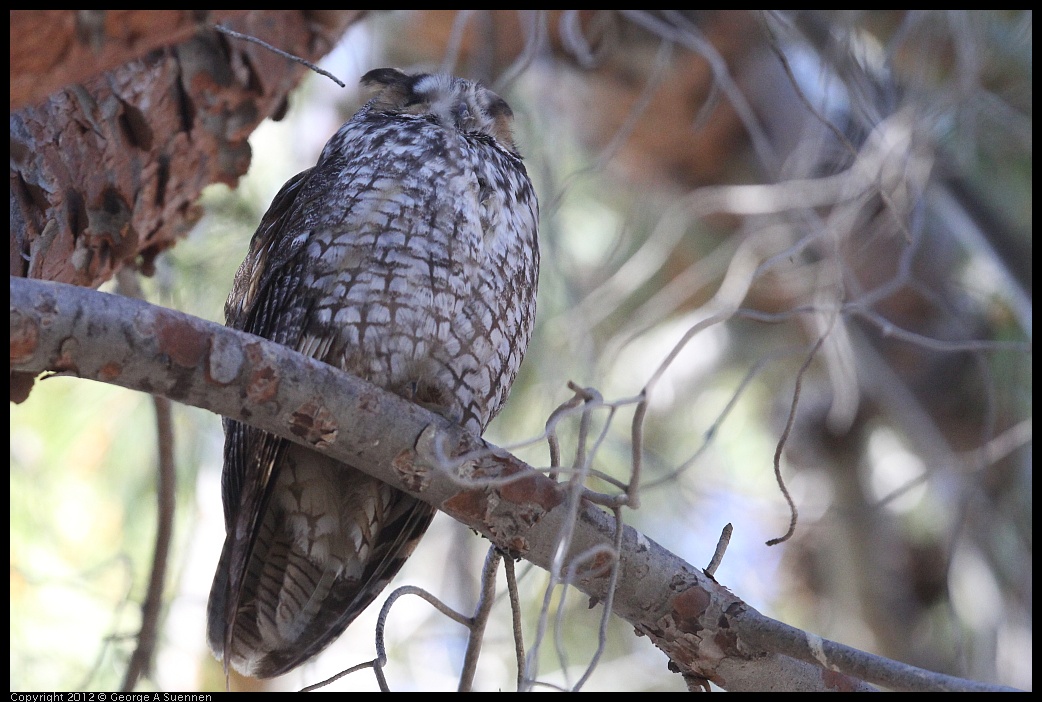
25, 336
314, 423
688, 608
414, 475
181, 341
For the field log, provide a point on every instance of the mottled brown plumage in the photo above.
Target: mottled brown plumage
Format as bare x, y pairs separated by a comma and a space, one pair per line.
408, 256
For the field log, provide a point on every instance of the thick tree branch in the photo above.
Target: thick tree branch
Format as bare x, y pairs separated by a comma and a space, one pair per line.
52, 49
107, 169
706, 631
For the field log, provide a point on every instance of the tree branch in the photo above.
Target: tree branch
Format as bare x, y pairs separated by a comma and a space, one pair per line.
706, 631
107, 170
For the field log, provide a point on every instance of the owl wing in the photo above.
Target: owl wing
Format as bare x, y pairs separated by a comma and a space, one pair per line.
269, 299
258, 292
262, 286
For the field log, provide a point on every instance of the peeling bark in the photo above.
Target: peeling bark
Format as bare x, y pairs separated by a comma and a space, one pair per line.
106, 170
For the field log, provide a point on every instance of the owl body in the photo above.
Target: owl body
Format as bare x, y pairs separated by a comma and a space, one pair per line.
408, 256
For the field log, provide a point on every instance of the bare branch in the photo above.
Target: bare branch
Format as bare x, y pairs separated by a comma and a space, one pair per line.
721, 547
166, 492
515, 614
699, 624
107, 170
480, 619
280, 52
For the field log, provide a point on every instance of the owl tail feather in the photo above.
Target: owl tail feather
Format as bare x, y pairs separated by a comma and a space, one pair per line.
293, 612
308, 575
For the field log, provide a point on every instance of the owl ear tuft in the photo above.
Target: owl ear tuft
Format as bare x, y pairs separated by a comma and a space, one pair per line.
388, 89
379, 79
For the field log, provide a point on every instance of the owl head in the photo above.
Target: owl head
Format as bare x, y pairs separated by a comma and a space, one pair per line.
454, 103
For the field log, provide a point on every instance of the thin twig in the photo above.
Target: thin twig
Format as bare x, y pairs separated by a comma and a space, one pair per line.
166, 489
515, 616
793, 512
602, 631
280, 52
341, 674
721, 547
480, 619
551, 430
381, 624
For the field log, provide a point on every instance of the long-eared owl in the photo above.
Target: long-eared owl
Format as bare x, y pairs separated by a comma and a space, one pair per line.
408, 256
